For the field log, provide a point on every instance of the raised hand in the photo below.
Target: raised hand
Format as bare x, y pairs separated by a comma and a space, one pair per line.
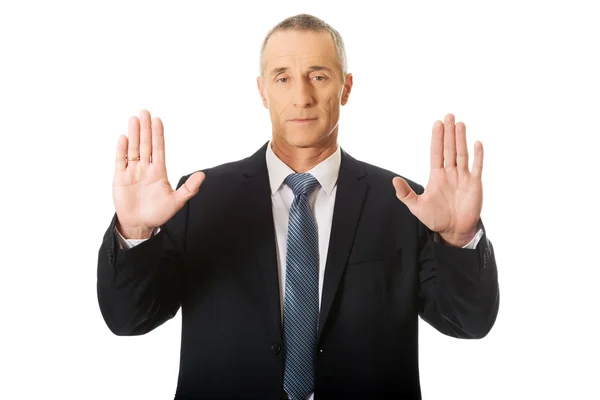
452, 201
142, 194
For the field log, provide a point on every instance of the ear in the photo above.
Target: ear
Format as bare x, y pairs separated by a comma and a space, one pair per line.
261, 90
347, 89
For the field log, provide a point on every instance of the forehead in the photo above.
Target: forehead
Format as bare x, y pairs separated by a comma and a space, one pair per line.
295, 48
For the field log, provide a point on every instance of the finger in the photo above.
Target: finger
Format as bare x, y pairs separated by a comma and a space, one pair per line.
478, 160
133, 149
145, 136
121, 157
462, 153
449, 141
437, 145
158, 141
189, 188
405, 193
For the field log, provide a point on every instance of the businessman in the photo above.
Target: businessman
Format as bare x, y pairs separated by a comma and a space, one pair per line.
300, 271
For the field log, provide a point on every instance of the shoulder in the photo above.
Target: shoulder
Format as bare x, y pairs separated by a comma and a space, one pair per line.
222, 174
381, 178
234, 172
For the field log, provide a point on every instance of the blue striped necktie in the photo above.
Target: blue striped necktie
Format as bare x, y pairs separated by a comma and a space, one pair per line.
301, 303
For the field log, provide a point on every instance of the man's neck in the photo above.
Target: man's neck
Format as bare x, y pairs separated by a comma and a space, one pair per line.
303, 159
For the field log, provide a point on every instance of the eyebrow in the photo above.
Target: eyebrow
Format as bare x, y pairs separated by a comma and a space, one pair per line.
279, 70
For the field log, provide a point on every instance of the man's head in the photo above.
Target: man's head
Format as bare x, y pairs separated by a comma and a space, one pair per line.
303, 81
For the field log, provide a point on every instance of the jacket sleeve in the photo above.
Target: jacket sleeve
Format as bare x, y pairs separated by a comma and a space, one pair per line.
459, 291
140, 288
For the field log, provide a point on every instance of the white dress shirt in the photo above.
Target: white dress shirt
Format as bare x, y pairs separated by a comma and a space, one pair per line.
322, 201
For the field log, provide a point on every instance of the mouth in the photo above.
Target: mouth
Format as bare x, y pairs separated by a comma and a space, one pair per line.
302, 121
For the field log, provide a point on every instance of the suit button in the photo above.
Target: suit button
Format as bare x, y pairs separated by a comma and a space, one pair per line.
485, 257
276, 348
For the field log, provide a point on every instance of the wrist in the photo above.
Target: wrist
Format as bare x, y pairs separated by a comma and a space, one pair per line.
134, 232
458, 240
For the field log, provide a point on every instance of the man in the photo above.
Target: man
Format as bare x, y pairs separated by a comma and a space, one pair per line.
300, 271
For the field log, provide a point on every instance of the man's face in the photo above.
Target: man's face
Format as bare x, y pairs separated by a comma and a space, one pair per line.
302, 87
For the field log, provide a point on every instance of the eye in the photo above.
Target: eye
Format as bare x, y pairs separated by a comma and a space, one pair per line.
282, 80
319, 78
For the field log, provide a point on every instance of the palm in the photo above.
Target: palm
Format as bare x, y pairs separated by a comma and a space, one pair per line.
452, 201
142, 194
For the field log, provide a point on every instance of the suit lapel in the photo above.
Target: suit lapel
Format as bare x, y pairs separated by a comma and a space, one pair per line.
261, 230
350, 196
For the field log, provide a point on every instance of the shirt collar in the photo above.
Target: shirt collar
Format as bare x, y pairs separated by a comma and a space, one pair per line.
326, 172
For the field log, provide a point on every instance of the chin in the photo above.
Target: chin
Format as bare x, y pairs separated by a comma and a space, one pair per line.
304, 140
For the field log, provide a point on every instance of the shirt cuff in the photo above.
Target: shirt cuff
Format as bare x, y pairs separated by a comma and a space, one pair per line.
471, 245
129, 243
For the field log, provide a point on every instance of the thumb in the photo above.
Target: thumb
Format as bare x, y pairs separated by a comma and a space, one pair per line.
189, 188
405, 193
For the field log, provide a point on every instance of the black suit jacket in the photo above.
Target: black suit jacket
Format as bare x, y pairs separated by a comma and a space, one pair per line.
216, 259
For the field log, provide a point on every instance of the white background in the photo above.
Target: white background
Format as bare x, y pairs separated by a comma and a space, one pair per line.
523, 76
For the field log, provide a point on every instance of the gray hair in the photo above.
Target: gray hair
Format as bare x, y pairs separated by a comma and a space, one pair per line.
307, 22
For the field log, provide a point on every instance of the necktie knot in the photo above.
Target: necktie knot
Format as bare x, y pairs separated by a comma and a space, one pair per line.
301, 183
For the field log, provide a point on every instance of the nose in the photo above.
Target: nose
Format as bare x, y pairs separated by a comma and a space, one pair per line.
302, 94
